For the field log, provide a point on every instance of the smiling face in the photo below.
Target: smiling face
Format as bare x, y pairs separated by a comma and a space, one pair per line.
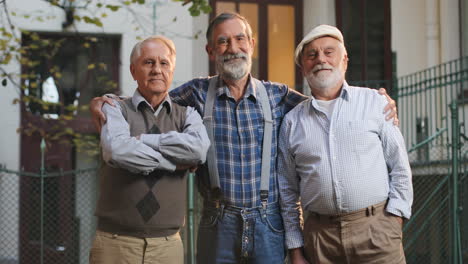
324, 62
153, 69
231, 49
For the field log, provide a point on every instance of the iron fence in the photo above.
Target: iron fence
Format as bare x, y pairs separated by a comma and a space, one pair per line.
432, 108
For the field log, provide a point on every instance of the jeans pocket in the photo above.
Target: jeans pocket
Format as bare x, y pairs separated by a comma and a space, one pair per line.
275, 223
209, 220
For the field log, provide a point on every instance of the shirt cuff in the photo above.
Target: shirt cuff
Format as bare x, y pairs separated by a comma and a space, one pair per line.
294, 239
151, 140
165, 164
398, 208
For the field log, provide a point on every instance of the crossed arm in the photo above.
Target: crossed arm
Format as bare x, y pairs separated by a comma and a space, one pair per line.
147, 152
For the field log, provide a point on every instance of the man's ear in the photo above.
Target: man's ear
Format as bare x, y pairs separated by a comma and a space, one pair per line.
252, 42
210, 50
132, 71
345, 62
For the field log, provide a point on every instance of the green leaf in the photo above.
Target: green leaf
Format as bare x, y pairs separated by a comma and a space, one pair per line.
194, 12
206, 9
113, 7
7, 59
96, 21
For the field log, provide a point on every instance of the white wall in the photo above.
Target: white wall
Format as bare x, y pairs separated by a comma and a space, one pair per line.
409, 35
200, 62
449, 30
318, 12
425, 33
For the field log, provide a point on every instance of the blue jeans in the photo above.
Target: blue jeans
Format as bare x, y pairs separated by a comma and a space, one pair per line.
241, 235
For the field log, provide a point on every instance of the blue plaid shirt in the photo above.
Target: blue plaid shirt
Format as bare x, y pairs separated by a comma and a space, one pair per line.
238, 133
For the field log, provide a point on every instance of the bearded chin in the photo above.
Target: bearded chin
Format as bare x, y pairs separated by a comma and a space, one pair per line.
325, 81
234, 71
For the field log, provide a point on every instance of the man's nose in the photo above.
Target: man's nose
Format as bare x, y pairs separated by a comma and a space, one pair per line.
321, 57
156, 68
233, 46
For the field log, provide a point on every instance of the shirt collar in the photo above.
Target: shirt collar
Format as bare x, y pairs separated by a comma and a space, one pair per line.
250, 91
344, 94
137, 99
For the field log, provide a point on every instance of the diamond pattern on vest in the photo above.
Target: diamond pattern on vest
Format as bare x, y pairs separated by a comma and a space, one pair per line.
148, 206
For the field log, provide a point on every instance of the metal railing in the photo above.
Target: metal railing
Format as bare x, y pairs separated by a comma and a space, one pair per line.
432, 106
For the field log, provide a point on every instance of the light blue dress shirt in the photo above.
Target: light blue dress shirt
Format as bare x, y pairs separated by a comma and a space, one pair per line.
348, 162
152, 151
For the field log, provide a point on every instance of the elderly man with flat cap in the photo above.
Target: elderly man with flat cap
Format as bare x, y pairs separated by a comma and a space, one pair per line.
341, 162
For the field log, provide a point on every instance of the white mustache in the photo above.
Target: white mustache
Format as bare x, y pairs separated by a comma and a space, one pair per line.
234, 56
322, 67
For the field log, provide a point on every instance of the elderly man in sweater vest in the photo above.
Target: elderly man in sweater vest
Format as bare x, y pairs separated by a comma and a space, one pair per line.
149, 143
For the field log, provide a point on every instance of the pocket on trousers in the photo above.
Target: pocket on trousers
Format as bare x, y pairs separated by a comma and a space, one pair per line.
209, 220
275, 223
385, 231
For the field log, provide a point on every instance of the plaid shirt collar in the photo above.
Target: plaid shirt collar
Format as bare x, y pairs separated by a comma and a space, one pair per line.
250, 92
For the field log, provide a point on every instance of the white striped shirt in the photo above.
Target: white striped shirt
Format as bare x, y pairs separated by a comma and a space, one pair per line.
339, 165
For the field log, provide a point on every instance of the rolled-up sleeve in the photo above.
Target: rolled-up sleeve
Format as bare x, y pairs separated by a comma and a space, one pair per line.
121, 150
289, 190
188, 147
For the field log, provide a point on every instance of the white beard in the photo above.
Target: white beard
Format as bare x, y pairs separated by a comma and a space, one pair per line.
324, 80
233, 70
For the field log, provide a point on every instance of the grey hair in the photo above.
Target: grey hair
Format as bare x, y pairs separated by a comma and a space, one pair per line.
136, 51
223, 17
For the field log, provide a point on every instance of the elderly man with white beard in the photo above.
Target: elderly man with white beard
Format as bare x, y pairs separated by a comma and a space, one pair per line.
343, 163
241, 220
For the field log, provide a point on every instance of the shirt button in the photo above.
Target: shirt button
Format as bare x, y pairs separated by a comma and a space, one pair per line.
243, 156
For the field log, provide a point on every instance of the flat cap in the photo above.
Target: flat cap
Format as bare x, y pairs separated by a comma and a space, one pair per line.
317, 32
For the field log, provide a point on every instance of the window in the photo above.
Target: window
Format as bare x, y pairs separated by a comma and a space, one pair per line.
366, 28
67, 70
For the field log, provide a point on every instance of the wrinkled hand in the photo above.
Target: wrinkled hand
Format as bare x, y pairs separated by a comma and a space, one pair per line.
400, 220
390, 109
297, 257
95, 106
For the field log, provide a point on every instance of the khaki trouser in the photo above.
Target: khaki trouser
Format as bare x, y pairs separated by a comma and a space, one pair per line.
115, 249
370, 235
